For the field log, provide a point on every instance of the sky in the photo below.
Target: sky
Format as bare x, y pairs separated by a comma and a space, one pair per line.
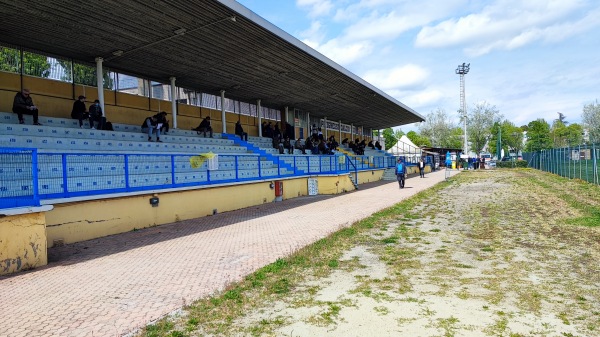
528, 58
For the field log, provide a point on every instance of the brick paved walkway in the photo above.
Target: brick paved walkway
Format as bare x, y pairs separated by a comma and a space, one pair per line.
114, 285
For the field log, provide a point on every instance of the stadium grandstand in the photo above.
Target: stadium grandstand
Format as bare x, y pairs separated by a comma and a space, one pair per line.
62, 183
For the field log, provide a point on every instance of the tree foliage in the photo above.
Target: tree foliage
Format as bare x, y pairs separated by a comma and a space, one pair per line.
437, 128
85, 75
563, 135
591, 120
538, 136
390, 139
417, 139
511, 138
33, 64
480, 121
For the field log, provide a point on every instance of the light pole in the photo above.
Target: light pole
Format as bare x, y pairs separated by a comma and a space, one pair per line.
462, 70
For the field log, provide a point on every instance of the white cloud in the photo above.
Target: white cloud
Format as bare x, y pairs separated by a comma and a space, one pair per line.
341, 52
508, 24
425, 98
405, 77
316, 7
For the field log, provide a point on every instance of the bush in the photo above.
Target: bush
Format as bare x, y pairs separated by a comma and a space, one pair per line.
510, 164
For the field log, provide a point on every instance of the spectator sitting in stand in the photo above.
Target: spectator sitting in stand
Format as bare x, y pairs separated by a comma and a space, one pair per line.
204, 127
378, 145
312, 145
96, 115
333, 145
323, 149
298, 145
162, 119
240, 131
23, 104
268, 131
151, 124
371, 145
345, 141
277, 132
278, 144
352, 146
79, 110
287, 144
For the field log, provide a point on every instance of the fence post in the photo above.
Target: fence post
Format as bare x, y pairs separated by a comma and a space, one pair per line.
126, 172
34, 175
173, 170
64, 168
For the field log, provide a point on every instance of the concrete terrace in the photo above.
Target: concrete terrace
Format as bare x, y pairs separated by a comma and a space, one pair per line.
114, 285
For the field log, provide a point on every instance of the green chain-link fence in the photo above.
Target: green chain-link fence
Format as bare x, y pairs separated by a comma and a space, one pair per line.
579, 162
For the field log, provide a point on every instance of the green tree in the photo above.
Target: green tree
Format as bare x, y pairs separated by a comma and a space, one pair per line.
511, 138
417, 139
591, 120
390, 139
437, 128
538, 136
33, 64
455, 140
480, 121
563, 135
85, 75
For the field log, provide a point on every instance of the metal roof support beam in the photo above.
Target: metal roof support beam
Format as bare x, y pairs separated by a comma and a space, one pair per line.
309, 128
173, 101
259, 114
224, 122
100, 83
340, 130
326, 136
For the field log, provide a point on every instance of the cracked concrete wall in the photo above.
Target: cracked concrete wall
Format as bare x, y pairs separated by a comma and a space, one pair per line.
23, 243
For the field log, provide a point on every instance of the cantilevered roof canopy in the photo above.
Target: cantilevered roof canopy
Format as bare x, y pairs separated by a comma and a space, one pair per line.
208, 45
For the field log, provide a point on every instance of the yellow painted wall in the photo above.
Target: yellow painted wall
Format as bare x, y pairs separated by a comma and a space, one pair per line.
96, 218
55, 99
293, 188
22, 242
369, 176
335, 184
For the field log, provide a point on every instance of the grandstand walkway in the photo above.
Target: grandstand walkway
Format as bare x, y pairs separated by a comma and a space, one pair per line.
114, 285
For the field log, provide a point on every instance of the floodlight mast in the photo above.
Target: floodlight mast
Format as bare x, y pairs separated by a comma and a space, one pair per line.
462, 70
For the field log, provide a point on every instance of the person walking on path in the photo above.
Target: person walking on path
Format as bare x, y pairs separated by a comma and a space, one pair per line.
421, 168
400, 172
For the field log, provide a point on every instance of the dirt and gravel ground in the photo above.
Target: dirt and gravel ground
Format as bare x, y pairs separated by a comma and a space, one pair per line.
490, 253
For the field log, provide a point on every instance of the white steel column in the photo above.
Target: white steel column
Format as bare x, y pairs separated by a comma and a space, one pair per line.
224, 122
259, 114
309, 130
340, 129
100, 83
325, 133
173, 102
352, 132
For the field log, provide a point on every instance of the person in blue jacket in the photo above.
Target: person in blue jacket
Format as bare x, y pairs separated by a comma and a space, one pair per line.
400, 172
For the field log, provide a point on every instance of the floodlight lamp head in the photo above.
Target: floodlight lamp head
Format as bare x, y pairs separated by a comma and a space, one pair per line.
233, 19
180, 31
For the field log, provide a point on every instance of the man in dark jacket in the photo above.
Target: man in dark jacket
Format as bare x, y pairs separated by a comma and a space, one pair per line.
204, 127
96, 115
79, 110
23, 104
240, 131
